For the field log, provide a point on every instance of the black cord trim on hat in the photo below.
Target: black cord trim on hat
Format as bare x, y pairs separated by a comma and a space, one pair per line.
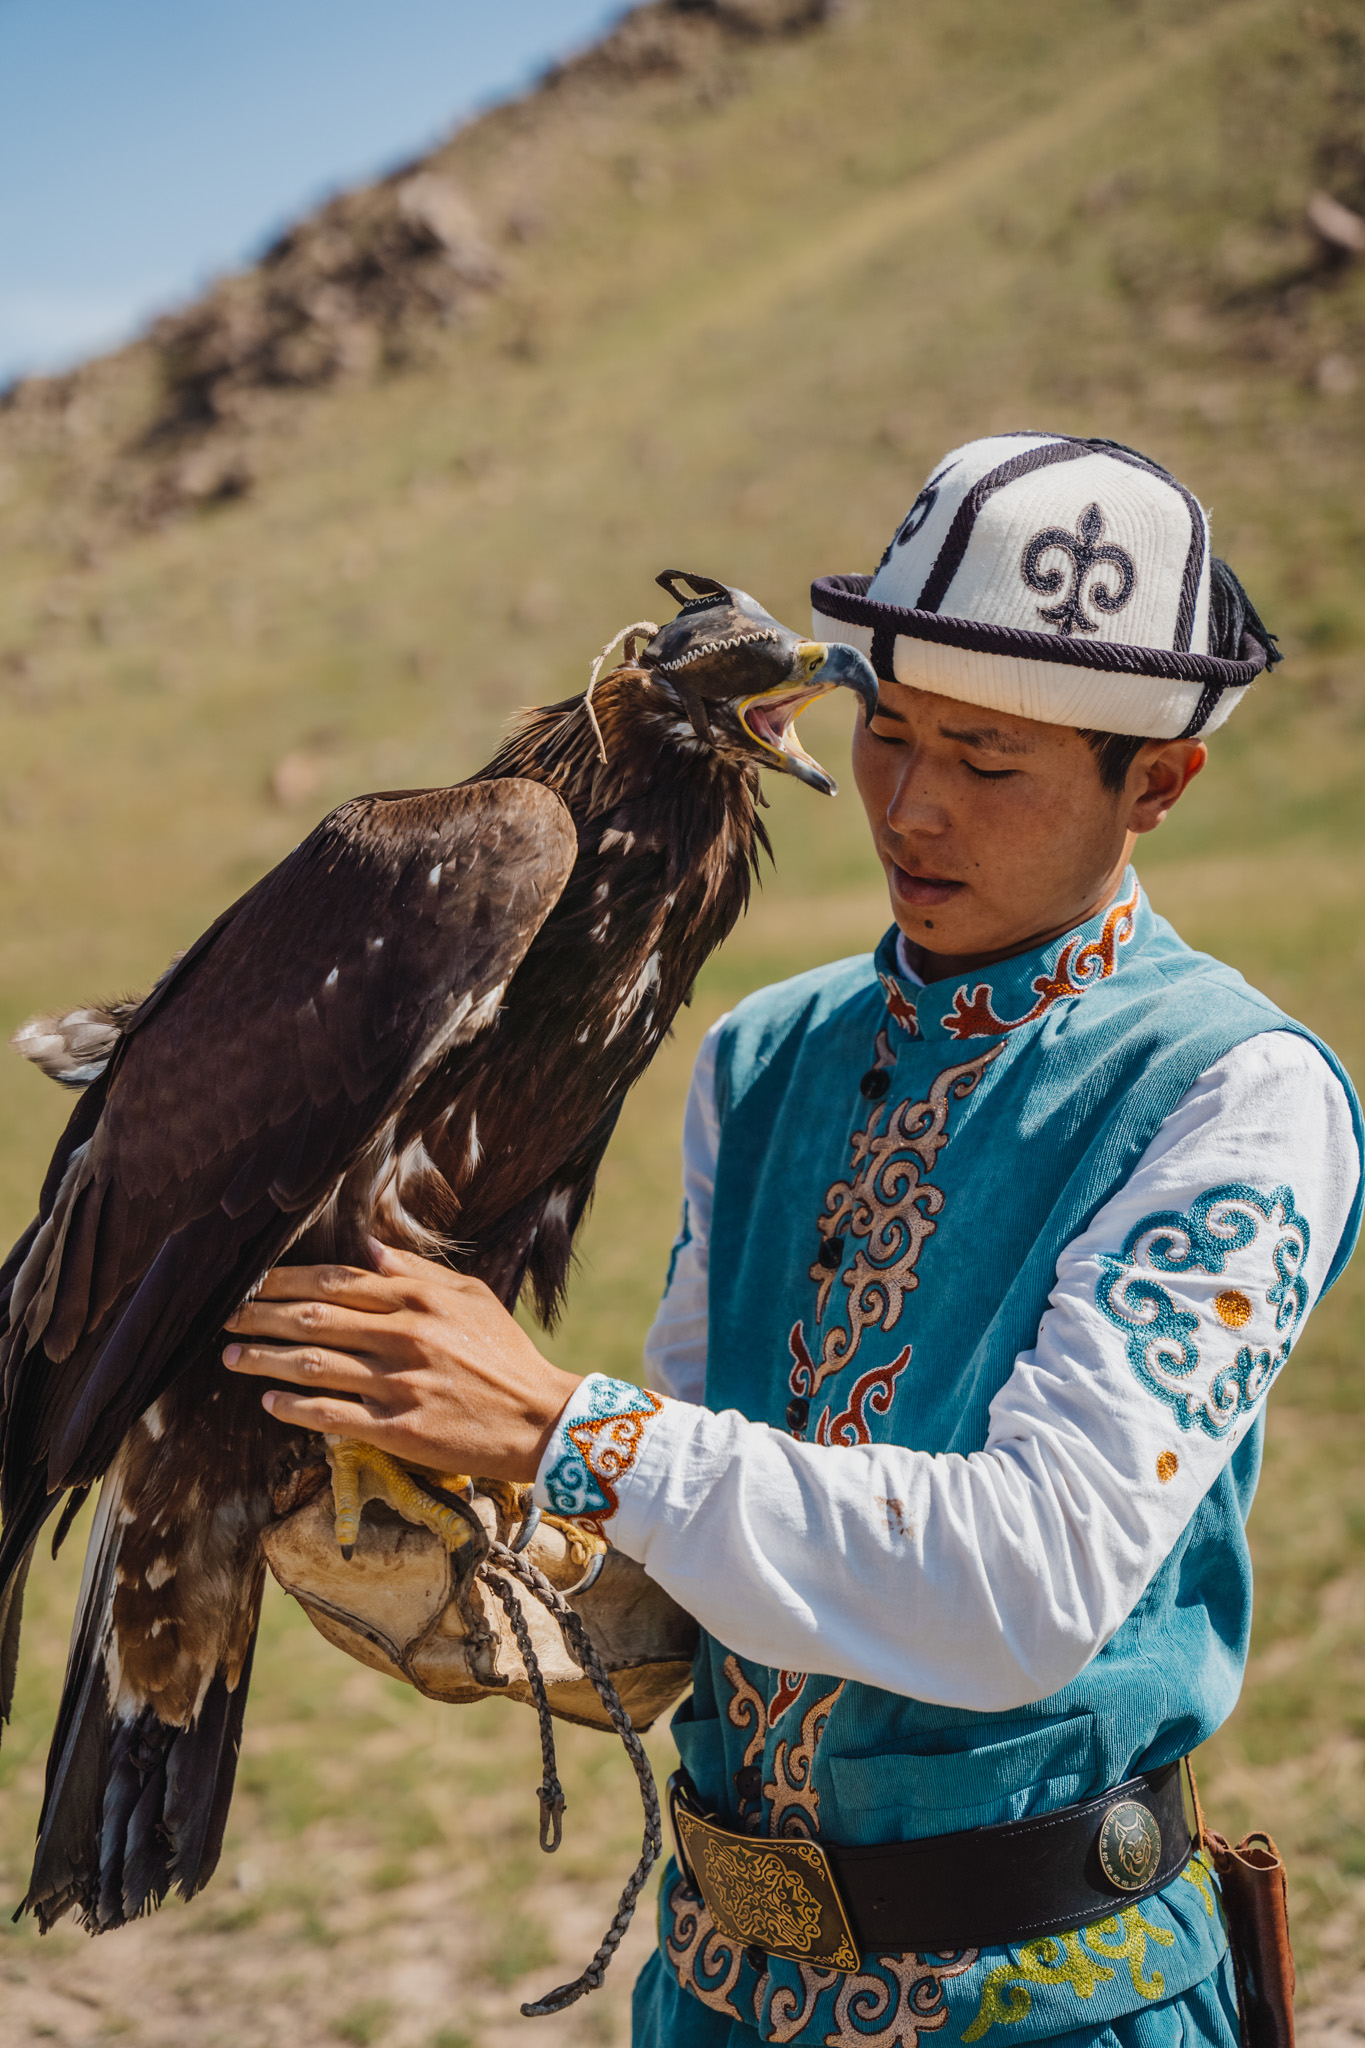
845, 598
883, 654
950, 555
1194, 555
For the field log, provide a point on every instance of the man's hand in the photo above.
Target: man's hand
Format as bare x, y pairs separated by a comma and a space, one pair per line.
422, 1362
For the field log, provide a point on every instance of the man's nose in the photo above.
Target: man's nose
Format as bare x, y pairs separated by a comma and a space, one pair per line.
915, 806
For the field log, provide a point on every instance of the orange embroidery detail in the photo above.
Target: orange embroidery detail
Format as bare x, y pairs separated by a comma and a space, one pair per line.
1167, 1465
974, 1016
875, 1391
1233, 1308
609, 1446
899, 1006
790, 1686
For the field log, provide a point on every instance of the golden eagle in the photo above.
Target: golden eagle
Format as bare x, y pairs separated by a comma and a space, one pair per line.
421, 1026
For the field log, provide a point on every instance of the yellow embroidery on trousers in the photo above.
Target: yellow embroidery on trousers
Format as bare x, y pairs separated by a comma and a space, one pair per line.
1076, 1960
1197, 1873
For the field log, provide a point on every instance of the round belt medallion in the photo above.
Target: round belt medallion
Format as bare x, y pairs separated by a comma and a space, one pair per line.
1129, 1846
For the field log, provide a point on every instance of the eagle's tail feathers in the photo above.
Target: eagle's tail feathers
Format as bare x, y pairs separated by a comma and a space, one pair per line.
134, 1805
200, 1770
11, 1615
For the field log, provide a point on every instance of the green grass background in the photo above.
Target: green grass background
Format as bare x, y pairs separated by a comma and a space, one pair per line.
750, 317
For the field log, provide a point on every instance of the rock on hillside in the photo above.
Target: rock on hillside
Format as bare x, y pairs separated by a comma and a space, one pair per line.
352, 289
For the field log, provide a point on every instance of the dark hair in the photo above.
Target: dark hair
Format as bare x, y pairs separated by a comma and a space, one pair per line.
1232, 616
1115, 753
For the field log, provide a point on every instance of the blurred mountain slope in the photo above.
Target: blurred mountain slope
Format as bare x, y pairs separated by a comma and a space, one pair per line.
716, 296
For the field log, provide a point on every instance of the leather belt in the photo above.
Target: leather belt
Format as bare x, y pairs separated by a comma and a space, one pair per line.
828, 1904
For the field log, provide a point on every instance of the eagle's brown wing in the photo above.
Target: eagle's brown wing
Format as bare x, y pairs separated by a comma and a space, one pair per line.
263, 1073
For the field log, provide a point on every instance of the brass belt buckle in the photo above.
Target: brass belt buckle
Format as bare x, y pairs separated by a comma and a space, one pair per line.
779, 1895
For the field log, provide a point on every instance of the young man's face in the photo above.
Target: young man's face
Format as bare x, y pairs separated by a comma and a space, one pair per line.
996, 832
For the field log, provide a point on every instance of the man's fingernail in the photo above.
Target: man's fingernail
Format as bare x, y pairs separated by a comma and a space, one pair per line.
232, 1354
268, 1401
380, 1254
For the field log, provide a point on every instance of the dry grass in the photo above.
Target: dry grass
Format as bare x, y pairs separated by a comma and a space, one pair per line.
746, 324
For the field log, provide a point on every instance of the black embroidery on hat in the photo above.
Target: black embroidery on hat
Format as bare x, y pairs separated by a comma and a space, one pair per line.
1087, 553
918, 514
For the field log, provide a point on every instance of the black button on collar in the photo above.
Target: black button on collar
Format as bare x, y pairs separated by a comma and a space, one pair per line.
749, 1783
756, 1957
874, 1083
798, 1414
830, 1252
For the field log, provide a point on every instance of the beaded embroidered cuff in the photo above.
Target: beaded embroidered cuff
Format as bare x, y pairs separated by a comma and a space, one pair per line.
596, 1441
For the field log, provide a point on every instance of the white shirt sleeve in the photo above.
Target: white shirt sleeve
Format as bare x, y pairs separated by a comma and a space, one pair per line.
675, 1349
989, 1580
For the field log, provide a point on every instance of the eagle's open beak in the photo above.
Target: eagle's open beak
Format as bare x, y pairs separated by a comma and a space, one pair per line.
770, 716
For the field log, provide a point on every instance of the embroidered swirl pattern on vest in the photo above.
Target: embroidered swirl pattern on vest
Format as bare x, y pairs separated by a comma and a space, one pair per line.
974, 1016
1164, 1345
888, 2004
786, 2014
597, 1450
745, 1711
793, 1802
705, 1962
898, 1998
888, 1207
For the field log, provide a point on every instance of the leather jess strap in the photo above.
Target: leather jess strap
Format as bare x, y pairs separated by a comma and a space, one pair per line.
827, 1903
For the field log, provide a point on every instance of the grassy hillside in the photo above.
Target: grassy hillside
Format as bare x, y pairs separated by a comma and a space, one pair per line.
719, 298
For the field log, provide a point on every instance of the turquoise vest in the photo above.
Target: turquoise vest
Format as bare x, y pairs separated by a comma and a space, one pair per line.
899, 1169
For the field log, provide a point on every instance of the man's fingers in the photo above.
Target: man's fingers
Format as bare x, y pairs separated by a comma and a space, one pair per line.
311, 1321
329, 1417
347, 1286
306, 1365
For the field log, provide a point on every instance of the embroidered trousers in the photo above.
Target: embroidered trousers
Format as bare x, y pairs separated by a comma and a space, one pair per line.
664, 2016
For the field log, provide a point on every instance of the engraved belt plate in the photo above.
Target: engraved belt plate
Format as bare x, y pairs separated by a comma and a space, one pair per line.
780, 1895
1129, 1846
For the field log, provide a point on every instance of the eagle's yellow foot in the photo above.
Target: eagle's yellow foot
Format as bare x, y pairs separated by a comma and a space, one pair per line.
361, 1473
512, 1499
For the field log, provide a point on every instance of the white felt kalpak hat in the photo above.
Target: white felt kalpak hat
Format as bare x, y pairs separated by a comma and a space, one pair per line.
1059, 579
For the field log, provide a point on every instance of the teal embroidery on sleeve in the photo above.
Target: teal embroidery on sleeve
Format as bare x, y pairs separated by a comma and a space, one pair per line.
598, 1438
1164, 1345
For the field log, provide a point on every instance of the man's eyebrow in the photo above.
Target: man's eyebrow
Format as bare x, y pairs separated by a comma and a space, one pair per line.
986, 736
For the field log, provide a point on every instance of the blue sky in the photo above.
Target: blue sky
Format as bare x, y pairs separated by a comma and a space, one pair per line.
147, 144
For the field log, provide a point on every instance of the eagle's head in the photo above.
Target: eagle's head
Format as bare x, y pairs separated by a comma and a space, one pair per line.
742, 679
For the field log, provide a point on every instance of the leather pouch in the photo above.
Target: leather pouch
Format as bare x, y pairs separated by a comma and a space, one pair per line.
1256, 1901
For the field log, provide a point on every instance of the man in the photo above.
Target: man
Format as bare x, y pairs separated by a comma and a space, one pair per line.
992, 1245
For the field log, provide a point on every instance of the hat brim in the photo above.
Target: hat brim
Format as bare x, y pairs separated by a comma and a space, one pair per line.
1101, 685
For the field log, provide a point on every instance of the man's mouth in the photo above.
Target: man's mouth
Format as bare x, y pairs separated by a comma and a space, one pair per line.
922, 891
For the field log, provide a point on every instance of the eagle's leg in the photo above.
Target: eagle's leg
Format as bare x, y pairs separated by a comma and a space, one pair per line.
512, 1498
361, 1473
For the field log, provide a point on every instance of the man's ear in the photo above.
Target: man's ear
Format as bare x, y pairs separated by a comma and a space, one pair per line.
1159, 777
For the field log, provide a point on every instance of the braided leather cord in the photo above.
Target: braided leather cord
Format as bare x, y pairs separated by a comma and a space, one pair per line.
552, 1801
584, 1653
